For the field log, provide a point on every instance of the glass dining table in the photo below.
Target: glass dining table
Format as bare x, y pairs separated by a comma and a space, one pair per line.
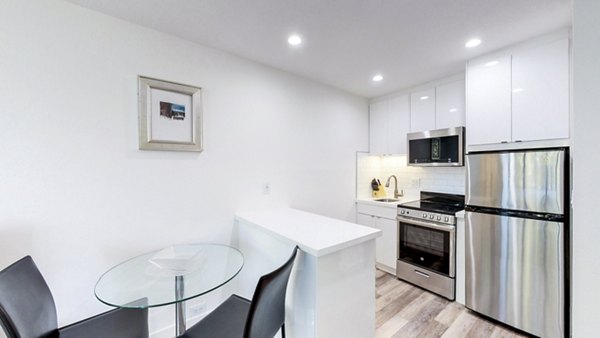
169, 276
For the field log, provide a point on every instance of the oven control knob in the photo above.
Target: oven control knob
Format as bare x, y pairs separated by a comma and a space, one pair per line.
446, 219
401, 212
424, 215
438, 218
430, 216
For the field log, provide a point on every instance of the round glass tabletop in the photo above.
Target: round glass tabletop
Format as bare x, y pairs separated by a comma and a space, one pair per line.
149, 280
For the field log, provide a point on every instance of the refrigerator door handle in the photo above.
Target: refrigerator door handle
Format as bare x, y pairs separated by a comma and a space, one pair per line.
516, 213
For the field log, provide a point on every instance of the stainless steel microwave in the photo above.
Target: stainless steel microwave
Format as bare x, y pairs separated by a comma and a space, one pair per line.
437, 148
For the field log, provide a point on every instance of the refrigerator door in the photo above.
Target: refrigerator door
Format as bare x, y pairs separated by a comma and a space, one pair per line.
514, 272
522, 180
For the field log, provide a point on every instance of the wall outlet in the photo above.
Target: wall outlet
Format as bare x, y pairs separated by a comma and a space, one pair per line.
415, 183
197, 309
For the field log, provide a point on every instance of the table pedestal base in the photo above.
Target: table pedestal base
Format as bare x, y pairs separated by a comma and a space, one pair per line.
179, 307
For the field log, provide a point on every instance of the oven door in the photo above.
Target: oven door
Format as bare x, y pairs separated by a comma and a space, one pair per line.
427, 245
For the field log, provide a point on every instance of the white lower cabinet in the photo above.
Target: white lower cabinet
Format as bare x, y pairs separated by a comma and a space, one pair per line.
386, 247
382, 218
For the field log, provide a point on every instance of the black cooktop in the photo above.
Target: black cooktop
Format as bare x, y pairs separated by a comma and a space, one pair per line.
437, 202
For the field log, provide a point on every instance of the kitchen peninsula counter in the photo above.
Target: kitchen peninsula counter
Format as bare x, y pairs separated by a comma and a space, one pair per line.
334, 272
315, 234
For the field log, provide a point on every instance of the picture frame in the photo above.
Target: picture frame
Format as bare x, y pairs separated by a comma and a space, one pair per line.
169, 116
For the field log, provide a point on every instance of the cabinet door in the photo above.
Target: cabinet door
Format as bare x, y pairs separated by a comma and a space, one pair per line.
378, 120
489, 100
422, 110
540, 93
366, 220
372, 222
450, 105
399, 124
386, 244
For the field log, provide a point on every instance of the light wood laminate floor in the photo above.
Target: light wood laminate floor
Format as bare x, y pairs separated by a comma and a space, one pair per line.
404, 310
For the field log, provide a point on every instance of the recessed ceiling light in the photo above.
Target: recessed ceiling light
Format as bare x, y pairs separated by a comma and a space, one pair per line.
492, 63
424, 97
377, 77
294, 40
473, 43
517, 90
453, 110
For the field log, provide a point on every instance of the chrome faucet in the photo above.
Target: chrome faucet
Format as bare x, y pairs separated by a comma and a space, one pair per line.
387, 185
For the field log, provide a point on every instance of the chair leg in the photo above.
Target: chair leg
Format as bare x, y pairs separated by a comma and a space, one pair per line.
283, 330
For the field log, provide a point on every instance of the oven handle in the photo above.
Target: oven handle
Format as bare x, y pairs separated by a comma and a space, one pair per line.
442, 227
423, 274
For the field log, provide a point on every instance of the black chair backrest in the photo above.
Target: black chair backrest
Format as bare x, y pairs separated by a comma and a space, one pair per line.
27, 308
267, 310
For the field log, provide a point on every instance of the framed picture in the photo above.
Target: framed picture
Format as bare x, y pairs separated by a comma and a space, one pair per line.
170, 115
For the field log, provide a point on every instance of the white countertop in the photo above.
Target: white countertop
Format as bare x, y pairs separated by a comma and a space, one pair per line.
315, 234
371, 201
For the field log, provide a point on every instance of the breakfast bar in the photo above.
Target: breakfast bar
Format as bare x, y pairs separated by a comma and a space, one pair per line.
330, 293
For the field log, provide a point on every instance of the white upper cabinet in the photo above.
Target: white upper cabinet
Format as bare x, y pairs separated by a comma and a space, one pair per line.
399, 124
488, 99
519, 98
422, 110
540, 92
389, 121
450, 105
378, 117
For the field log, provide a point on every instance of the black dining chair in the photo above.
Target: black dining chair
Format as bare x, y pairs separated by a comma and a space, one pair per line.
27, 310
238, 317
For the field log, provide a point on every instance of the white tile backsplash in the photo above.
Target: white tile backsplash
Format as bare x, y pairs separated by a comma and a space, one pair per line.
412, 180
367, 168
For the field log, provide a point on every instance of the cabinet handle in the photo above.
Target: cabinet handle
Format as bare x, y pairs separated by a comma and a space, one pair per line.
519, 141
504, 142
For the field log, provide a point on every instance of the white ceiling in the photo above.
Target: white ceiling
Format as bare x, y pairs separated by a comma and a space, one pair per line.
347, 41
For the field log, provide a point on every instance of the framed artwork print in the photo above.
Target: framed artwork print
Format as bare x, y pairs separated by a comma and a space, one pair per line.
170, 115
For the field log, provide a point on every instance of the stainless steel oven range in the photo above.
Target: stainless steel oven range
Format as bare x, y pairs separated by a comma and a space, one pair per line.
426, 242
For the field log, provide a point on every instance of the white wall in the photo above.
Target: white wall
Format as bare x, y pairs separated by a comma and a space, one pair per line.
78, 195
586, 168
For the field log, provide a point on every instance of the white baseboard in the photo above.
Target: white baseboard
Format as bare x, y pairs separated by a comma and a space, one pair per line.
386, 268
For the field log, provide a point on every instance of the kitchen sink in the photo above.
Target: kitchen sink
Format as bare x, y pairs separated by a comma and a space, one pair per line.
386, 200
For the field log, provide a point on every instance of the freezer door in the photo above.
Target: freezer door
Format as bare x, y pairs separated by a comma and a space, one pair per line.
524, 180
515, 272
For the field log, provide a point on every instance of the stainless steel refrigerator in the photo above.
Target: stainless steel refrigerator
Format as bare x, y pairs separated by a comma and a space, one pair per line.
517, 238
